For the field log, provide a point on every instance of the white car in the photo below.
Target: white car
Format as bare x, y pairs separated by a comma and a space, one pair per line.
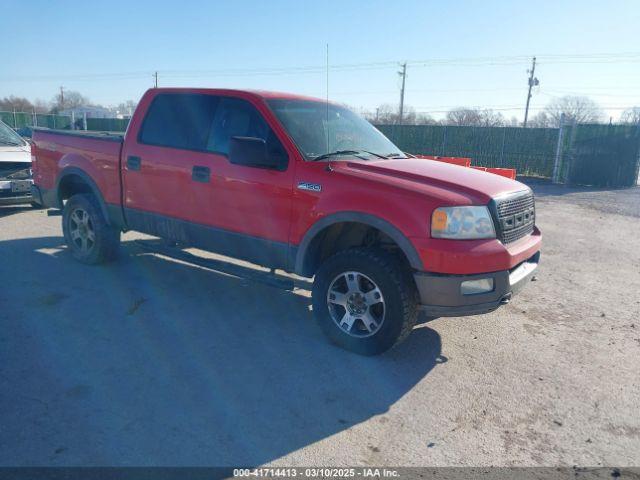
15, 167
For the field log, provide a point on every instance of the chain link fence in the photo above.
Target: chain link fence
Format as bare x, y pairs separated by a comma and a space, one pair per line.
598, 155
20, 120
601, 155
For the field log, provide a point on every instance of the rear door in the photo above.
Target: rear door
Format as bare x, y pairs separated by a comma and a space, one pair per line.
166, 170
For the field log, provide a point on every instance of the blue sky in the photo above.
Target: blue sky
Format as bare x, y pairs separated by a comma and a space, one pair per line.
108, 50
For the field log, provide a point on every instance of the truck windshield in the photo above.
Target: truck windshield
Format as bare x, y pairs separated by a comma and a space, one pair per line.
340, 132
9, 137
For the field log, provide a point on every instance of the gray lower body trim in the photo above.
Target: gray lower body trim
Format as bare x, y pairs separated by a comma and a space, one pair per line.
48, 197
45, 196
441, 296
257, 250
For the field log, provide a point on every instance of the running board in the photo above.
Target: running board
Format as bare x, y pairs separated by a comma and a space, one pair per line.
268, 278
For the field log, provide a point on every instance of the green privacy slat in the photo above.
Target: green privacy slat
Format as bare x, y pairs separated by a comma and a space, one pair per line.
592, 155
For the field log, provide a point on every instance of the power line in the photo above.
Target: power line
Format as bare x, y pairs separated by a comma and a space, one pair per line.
507, 109
313, 69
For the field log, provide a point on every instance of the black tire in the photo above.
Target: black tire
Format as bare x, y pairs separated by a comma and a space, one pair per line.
106, 239
36, 206
393, 280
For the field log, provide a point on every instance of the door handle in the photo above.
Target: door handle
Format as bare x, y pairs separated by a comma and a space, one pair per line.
133, 163
200, 174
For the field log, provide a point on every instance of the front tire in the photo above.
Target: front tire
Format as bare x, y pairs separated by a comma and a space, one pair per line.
365, 300
89, 237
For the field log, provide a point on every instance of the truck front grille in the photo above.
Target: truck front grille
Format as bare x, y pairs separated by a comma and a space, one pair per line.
516, 215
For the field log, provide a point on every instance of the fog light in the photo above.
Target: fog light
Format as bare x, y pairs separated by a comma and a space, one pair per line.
472, 287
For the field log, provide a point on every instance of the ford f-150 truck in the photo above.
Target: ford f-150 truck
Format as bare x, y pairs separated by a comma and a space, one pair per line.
302, 185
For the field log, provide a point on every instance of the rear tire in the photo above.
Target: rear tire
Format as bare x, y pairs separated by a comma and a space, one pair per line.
89, 237
365, 300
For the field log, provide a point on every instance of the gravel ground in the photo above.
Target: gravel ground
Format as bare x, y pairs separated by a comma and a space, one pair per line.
152, 361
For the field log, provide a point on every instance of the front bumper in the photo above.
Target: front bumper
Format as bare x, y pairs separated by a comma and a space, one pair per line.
15, 192
441, 294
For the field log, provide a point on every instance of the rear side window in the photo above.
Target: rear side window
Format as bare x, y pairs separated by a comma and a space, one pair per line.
179, 121
237, 117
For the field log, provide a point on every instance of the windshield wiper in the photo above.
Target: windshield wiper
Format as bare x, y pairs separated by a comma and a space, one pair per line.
337, 153
346, 152
395, 155
379, 155
13, 144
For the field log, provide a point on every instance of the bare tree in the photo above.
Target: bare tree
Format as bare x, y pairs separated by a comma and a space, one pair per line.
474, 117
72, 99
541, 120
387, 114
19, 104
512, 122
126, 108
575, 109
41, 106
631, 116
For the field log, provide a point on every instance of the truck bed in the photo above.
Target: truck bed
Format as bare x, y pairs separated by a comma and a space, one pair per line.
95, 154
98, 135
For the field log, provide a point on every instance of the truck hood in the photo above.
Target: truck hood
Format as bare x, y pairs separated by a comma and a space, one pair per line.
15, 154
437, 179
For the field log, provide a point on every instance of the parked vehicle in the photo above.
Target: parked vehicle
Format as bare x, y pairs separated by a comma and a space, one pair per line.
15, 167
297, 184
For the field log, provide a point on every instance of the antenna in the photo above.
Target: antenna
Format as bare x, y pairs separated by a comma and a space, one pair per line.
327, 128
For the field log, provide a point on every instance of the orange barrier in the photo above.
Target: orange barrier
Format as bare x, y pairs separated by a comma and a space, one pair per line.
466, 162
504, 172
462, 161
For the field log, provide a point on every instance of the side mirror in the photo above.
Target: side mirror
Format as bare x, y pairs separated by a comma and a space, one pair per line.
251, 152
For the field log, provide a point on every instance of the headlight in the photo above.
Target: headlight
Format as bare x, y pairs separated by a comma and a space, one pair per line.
462, 223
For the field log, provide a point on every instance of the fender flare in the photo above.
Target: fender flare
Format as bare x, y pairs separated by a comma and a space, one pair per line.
91, 184
358, 217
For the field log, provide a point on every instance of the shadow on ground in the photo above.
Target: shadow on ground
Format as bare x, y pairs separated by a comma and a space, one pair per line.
6, 210
149, 361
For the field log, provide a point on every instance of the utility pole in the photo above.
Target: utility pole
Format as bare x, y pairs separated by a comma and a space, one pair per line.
533, 81
403, 74
61, 98
155, 75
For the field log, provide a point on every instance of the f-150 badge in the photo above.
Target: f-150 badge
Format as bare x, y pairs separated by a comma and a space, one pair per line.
312, 187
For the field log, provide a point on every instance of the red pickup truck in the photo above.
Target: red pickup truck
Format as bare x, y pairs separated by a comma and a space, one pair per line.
305, 186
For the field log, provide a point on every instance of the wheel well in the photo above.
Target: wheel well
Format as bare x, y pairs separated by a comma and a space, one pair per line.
70, 185
343, 235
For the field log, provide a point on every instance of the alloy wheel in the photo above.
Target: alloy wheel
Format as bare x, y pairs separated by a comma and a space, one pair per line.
81, 230
356, 304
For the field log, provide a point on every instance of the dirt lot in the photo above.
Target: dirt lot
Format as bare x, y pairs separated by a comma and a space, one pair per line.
150, 361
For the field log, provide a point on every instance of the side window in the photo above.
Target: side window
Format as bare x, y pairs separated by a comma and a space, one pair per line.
237, 117
179, 121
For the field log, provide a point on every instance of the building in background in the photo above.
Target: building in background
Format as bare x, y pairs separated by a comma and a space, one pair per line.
91, 112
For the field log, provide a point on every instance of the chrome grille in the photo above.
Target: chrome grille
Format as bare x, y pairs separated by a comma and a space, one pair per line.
516, 216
